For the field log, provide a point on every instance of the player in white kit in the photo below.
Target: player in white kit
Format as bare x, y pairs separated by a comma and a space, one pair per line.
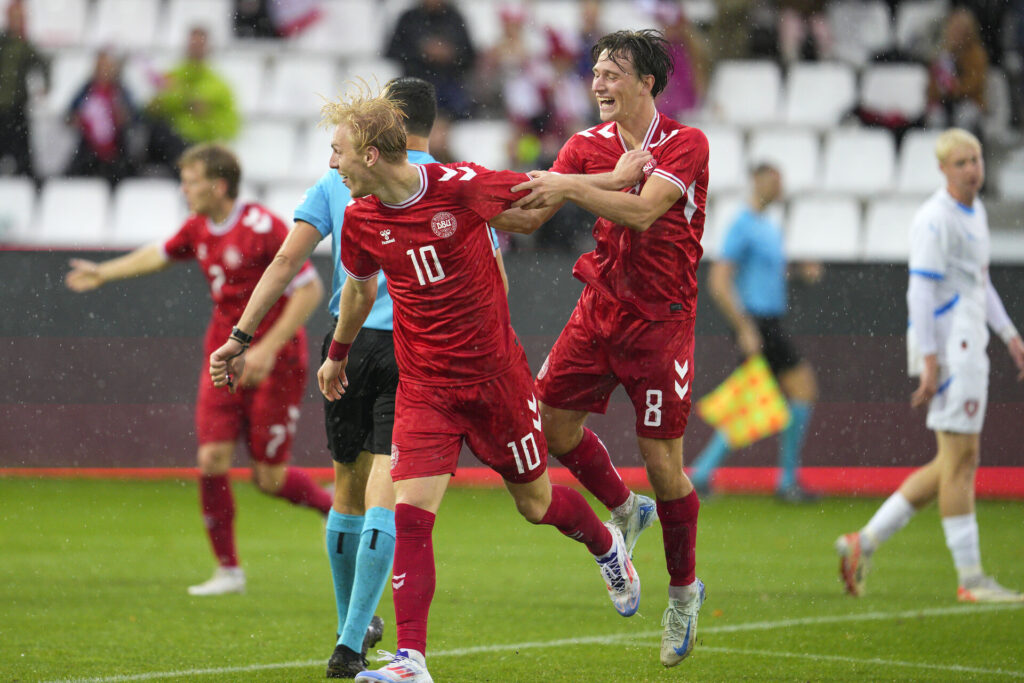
952, 303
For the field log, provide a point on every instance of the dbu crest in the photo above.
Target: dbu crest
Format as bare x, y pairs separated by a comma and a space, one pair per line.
443, 224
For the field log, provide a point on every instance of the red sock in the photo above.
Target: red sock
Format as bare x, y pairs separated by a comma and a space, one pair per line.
218, 507
300, 489
679, 533
570, 514
590, 464
413, 581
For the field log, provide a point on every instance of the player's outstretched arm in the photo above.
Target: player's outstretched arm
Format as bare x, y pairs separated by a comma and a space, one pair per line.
357, 297
88, 275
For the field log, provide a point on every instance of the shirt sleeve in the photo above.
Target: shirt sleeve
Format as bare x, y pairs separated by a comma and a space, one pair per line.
995, 313
355, 261
922, 297
568, 160
182, 245
927, 247
681, 158
315, 209
734, 246
490, 192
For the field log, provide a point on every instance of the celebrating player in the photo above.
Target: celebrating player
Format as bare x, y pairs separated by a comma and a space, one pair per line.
950, 299
233, 242
633, 323
464, 376
361, 525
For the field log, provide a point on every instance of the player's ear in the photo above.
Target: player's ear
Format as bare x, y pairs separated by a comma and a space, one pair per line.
648, 82
370, 155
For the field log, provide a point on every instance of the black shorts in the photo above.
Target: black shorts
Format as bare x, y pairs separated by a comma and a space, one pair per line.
777, 345
362, 419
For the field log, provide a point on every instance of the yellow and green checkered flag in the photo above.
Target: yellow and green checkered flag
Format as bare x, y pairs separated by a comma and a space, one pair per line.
747, 406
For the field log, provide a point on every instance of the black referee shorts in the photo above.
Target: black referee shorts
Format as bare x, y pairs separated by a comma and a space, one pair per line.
362, 419
777, 345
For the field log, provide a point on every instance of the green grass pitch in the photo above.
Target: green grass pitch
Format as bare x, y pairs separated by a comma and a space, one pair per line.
93, 577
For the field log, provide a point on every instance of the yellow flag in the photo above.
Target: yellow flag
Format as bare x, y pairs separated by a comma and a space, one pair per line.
747, 406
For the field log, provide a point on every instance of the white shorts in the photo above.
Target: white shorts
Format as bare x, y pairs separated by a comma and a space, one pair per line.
959, 406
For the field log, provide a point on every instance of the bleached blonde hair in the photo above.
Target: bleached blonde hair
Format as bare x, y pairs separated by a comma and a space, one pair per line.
953, 138
373, 120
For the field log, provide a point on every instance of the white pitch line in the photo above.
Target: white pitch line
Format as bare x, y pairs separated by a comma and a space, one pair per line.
628, 637
872, 660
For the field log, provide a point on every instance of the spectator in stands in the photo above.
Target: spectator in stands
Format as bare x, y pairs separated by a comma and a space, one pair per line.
800, 20
957, 75
274, 18
430, 41
992, 17
18, 59
194, 100
684, 94
590, 31
503, 61
102, 113
252, 19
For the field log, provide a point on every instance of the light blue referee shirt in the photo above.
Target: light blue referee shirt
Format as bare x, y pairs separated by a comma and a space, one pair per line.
753, 244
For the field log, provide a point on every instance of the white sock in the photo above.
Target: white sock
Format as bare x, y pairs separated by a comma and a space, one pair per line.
682, 593
625, 508
894, 514
416, 656
962, 540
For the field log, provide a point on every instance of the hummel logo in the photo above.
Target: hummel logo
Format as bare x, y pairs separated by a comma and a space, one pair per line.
398, 580
385, 236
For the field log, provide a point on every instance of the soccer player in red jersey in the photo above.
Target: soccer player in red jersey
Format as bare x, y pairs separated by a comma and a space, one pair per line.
463, 374
233, 242
633, 324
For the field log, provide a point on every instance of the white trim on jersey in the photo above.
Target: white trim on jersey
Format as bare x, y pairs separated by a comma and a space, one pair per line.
224, 227
418, 195
665, 175
356, 277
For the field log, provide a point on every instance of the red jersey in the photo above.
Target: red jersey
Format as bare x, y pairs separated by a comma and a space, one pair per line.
452, 322
652, 273
233, 256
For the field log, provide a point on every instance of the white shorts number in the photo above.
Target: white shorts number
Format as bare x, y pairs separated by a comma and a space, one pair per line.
652, 416
530, 452
432, 266
278, 433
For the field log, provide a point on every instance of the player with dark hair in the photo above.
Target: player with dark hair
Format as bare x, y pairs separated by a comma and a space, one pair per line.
464, 375
233, 241
361, 525
633, 324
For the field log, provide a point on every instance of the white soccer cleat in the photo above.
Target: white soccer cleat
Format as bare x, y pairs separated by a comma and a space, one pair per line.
680, 624
620, 578
853, 563
987, 589
224, 580
642, 515
405, 666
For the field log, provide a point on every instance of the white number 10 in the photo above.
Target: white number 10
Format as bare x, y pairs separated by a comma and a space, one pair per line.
530, 453
431, 266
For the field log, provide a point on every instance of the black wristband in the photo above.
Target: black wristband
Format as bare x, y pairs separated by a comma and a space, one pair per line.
241, 337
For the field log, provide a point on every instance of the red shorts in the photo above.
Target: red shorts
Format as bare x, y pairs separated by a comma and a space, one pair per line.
604, 345
265, 415
499, 420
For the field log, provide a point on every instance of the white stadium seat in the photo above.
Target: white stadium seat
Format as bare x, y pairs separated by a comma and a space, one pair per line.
482, 142
860, 161
182, 16
297, 85
266, 151
1010, 180
17, 207
996, 122
374, 70
72, 213
917, 25
314, 153
145, 211
347, 28
895, 88
247, 76
861, 29
819, 94
68, 73
887, 229
56, 23
721, 212
823, 228
745, 93
727, 163
918, 167
794, 151
128, 24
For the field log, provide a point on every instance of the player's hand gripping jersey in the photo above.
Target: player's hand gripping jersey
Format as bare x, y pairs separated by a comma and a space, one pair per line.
653, 273
451, 316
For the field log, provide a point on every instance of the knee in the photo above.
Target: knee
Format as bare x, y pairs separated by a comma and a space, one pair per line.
532, 510
267, 480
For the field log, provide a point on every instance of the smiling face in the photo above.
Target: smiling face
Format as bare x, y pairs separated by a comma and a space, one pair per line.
621, 94
349, 163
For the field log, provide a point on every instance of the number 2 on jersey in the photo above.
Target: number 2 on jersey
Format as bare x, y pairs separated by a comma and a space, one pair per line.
431, 264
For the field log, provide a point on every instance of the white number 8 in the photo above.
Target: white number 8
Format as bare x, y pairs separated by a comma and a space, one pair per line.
652, 416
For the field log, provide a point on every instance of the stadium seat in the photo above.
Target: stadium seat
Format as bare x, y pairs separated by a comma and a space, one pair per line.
72, 213
819, 94
143, 71
68, 73
1010, 179
823, 228
745, 93
146, 210
297, 84
861, 30
895, 88
996, 123
283, 199
247, 76
721, 212
314, 153
128, 24
918, 25
56, 24
17, 206
727, 163
482, 142
266, 151
374, 70
562, 15
860, 161
347, 28
183, 15
625, 14
887, 229
918, 171
794, 151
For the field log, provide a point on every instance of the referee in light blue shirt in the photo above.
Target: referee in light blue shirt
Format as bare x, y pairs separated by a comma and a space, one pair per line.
748, 285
